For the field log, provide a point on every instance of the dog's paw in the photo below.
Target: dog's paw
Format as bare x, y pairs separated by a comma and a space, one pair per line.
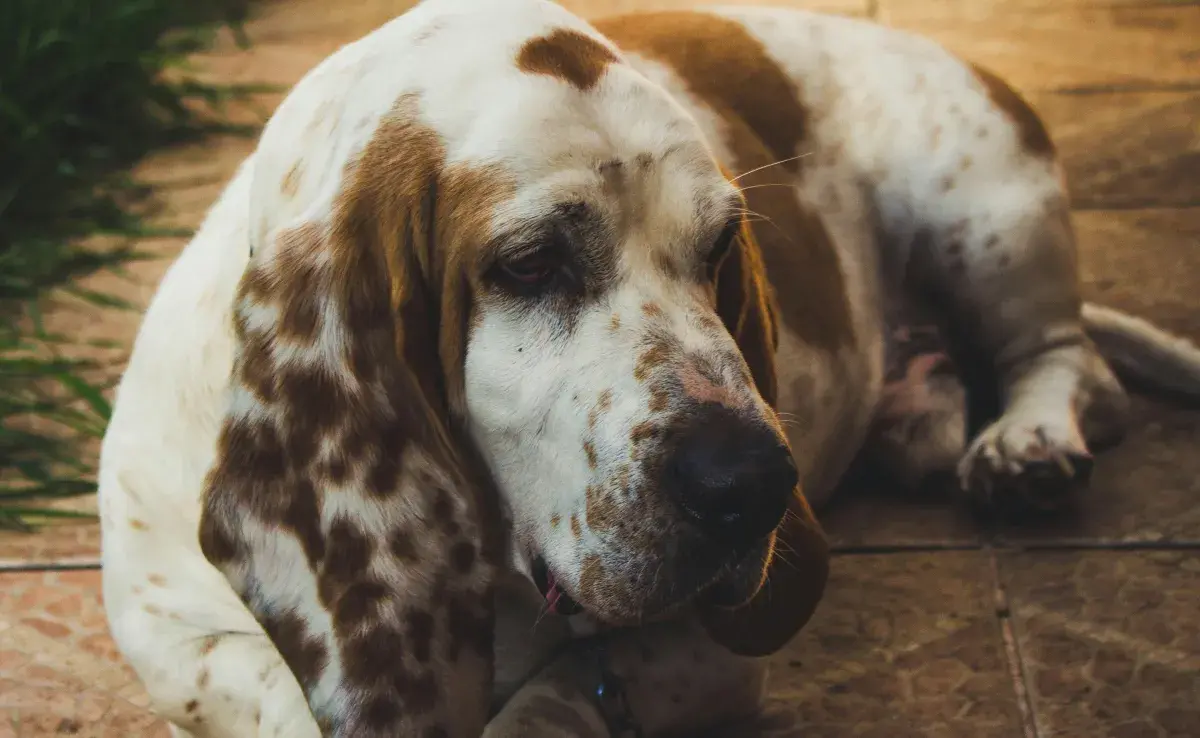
1019, 466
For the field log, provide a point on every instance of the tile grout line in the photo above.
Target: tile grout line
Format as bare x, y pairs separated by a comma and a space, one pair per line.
15, 566
1012, 651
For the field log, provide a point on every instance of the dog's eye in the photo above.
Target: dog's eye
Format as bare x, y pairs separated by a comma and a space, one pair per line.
722, 245
532, 270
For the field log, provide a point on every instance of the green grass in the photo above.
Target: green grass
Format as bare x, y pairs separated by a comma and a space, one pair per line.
82, 99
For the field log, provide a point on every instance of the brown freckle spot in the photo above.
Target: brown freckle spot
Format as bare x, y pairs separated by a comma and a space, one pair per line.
614, 322
991, 242
380, 712
589, 450
663, 264
402, 545
152, 609
348, 552
191, 706
659, 400
656, 355
966, 163
947, 183
357, 602
137, 524
591, 577
291, 181
157, 580
601, 509
369, 656
710, 324
203, 678
641, 432
555, 520
208, 644
462, 557
420, 634
652, 310
304, 653
137, 590
567, 55
576, 528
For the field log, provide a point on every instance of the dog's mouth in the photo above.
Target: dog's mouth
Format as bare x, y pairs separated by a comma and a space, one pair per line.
557, 600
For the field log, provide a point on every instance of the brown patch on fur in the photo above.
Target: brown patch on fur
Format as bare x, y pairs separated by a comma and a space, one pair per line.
576, 528
602, 512
567, 55
158, 580
1031, 132
732, 73
291, 180
589, 450
614, 323
555, 520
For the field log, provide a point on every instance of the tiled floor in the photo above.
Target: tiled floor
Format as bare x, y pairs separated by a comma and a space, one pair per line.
936, 625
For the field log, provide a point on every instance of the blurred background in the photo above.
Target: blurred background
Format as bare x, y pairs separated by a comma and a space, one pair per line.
121, 120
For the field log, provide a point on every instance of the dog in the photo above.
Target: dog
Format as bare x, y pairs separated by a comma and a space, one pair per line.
516, 319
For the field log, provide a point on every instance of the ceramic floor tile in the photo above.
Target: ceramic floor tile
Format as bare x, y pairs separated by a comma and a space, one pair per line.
1127, 149
903, 646
60, 673
874, 516
1064, 45
1110, 641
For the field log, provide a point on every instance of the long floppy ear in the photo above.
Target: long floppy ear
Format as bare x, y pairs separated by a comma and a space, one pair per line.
799, 567
342, 505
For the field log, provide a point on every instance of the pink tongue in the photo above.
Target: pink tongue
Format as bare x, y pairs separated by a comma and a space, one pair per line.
553, 593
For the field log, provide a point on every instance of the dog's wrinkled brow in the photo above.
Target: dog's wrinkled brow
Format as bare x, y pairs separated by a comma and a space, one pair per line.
573, 222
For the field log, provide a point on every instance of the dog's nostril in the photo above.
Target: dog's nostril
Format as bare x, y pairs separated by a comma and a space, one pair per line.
732, 482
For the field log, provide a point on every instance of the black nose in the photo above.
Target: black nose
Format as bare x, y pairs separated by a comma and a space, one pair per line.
732, 476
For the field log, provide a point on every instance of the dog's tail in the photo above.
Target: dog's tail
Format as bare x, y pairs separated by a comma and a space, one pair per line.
1143, 353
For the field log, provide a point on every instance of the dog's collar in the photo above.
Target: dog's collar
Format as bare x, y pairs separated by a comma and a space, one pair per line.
610, 696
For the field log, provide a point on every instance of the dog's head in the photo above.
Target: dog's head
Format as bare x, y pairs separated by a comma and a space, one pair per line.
618, 375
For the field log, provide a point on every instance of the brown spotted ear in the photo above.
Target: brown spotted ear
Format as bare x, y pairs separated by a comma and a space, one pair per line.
342, 505
799, 566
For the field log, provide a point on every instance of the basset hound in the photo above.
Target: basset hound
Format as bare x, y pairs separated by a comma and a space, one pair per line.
483, 400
